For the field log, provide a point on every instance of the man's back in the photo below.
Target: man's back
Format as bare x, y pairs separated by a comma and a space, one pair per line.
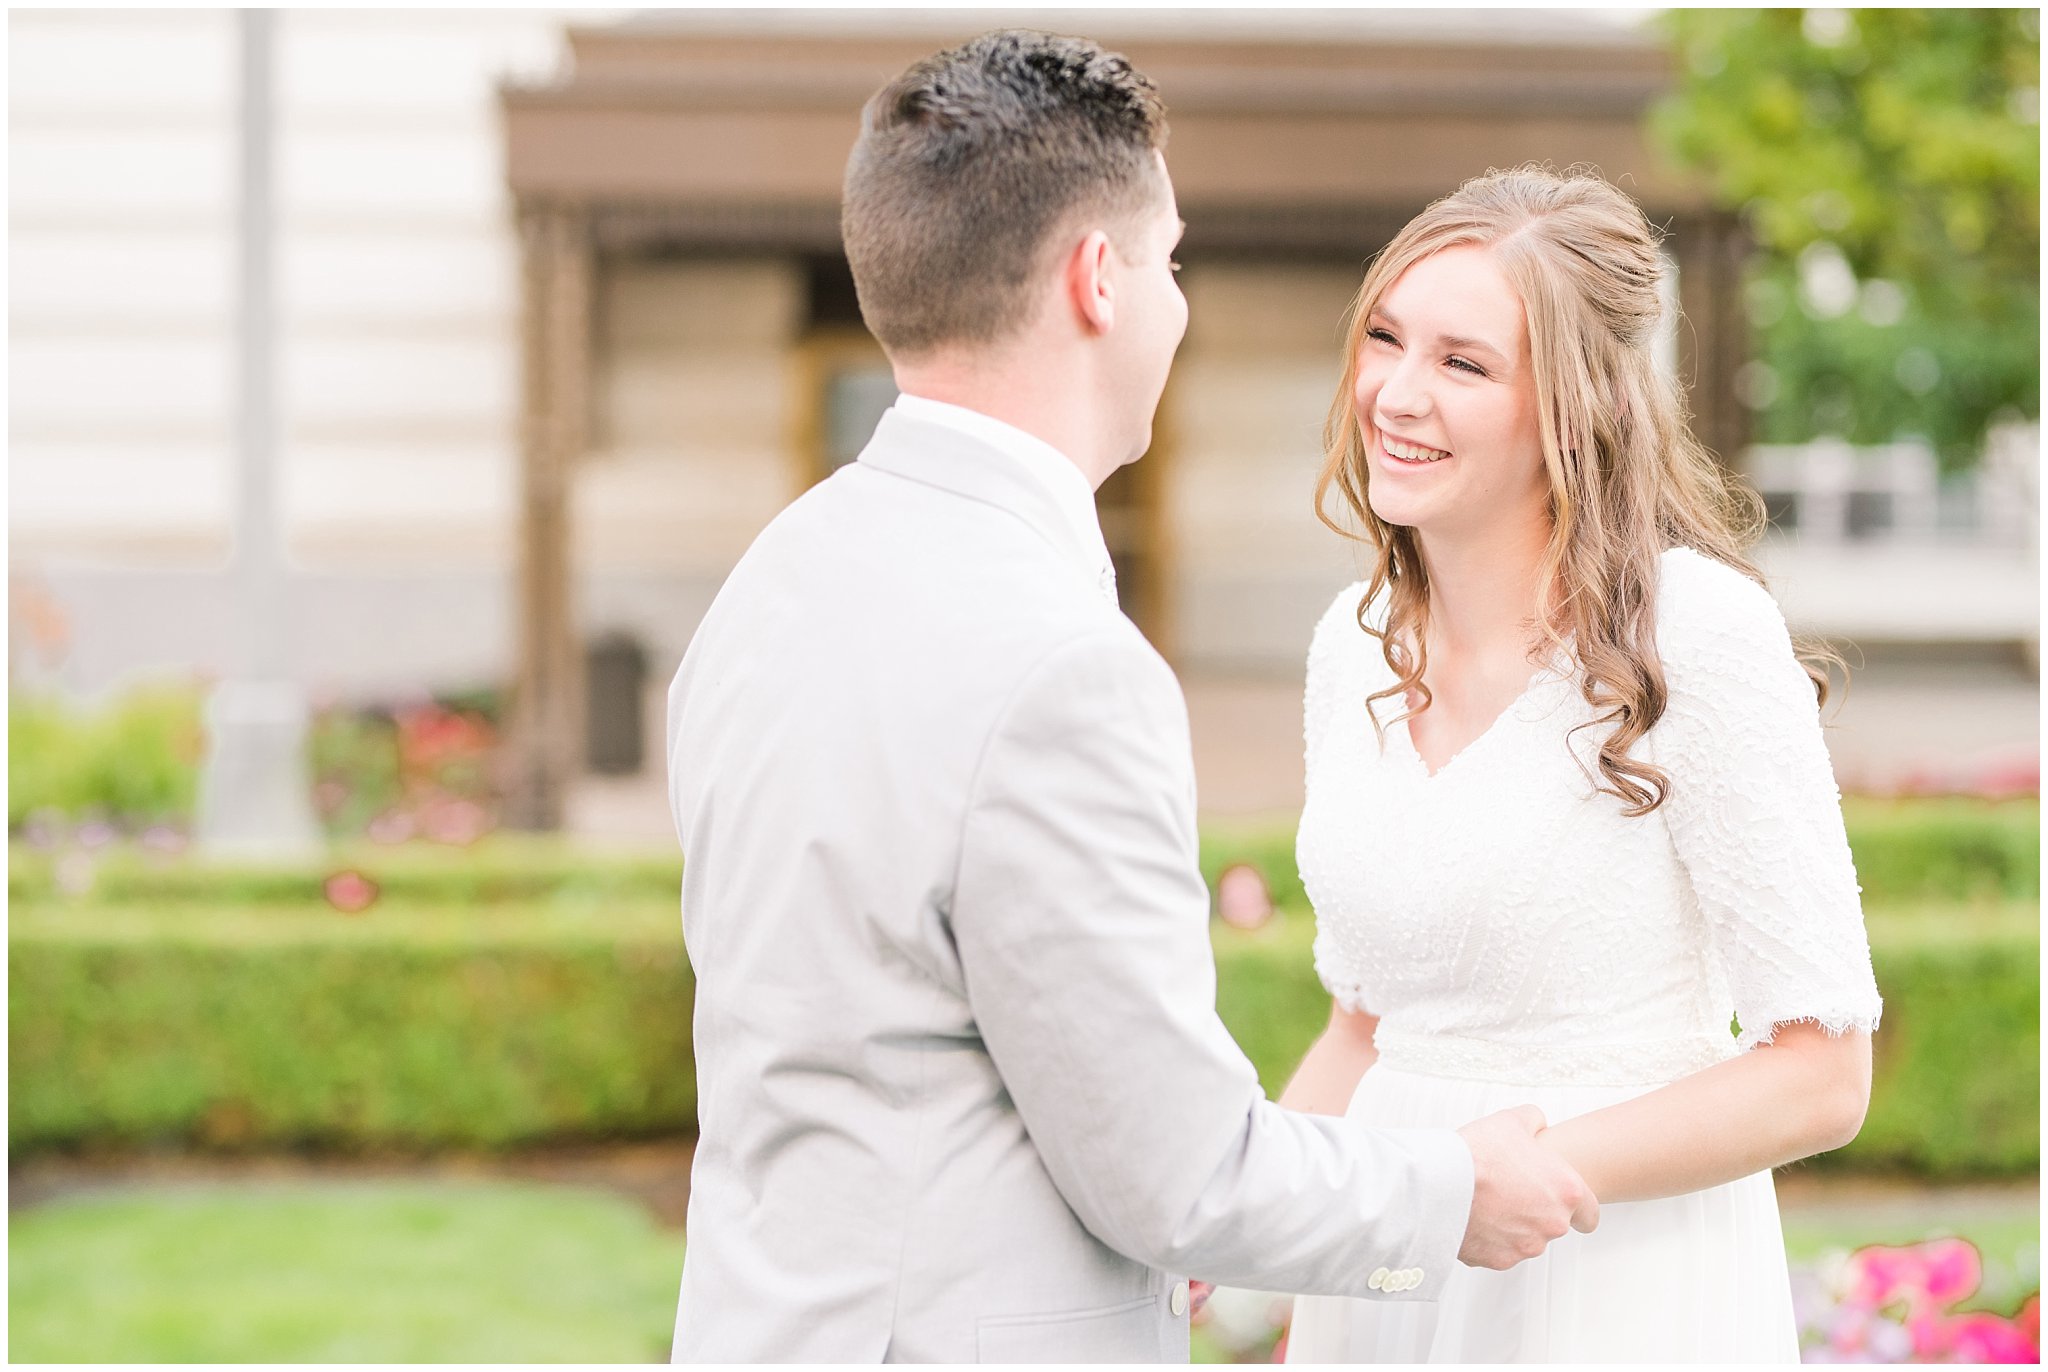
861, 1170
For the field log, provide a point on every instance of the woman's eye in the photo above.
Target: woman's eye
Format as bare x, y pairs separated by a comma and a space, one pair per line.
1380, 336
1462, 365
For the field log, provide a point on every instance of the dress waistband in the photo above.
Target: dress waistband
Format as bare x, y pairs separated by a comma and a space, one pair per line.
1644, 1062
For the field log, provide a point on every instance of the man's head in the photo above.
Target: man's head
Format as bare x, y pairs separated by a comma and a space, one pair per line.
968, 166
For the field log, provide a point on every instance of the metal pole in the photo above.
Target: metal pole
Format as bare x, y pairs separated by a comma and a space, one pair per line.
255, 796
256, 552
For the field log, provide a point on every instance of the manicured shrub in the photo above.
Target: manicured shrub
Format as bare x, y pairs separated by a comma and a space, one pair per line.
502, 869
1957, 1082
370, 1033
1946, 850
415, 1026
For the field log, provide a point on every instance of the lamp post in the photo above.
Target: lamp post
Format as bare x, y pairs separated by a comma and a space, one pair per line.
254, 797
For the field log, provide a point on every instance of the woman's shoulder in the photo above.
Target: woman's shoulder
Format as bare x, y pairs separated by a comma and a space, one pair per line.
1695, 591
1709, 612
1342, 624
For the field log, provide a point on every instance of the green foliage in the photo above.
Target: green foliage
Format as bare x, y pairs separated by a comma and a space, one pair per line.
423, 767
1956, 1091
501, 869
401, 1030
136, 759
520, 989
352, 1273
1902, 145
1957, 1086
1937, 851
355, 764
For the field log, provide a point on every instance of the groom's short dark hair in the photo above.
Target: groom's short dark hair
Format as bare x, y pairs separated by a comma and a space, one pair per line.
968, 161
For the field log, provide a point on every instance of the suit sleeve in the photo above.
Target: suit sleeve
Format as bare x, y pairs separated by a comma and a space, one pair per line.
1082, 926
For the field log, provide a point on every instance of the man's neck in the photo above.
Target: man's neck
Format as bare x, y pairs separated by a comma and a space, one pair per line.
1049, 407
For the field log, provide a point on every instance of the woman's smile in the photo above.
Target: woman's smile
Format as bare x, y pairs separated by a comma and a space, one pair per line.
1402, 454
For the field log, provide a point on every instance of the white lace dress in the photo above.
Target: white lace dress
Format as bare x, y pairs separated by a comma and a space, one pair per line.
1522, 941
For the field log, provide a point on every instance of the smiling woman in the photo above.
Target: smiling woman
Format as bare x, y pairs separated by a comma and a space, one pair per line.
1602, 822
1444, 385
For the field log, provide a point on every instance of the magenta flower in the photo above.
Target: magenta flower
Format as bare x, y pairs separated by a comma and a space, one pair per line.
1896, 1304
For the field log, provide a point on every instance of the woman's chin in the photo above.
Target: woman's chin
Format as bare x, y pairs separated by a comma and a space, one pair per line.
1393, 510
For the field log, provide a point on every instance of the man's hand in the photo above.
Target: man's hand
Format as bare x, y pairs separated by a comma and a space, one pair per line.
1523, 1194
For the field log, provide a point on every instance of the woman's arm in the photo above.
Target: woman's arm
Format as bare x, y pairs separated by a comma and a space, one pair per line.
1802, 1093
1755, 820
1329, 1072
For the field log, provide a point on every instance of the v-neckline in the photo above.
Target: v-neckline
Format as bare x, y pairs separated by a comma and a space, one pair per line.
1541, 675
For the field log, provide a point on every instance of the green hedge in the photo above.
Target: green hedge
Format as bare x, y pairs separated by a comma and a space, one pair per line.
1956, 1089
416, 1027
381, 1032
502, 869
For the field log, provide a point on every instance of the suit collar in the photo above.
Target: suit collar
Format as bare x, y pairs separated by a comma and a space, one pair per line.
966, 464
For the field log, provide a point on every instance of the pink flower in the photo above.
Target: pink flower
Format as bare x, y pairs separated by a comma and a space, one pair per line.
1982, 1337
1879, 1275
1952, 1271
350, 892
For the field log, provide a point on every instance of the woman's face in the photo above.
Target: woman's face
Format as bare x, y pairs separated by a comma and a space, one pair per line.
1446, 401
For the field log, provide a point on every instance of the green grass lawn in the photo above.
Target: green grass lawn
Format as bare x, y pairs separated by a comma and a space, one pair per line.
342, 1272
438, 1271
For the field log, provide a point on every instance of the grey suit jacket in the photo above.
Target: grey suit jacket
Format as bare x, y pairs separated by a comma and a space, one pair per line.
962, 1091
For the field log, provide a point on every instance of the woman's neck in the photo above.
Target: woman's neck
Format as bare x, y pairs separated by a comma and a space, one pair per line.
1484, 594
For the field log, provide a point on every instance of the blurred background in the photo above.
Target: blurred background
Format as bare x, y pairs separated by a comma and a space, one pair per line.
390, 392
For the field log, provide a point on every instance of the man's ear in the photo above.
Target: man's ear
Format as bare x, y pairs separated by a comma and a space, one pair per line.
1088, 285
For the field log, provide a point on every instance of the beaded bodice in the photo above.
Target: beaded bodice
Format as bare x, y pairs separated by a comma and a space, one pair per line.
1505, 921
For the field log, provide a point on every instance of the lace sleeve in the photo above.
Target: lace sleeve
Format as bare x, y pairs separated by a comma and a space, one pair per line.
1326, 694
1753, 811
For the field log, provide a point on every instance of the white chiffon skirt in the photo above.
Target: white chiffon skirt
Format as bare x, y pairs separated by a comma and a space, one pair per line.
1693, 1278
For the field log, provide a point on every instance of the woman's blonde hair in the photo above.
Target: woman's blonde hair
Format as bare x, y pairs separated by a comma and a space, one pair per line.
1627, 478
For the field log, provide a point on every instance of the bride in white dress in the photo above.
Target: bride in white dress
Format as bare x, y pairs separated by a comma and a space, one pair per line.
1568, 806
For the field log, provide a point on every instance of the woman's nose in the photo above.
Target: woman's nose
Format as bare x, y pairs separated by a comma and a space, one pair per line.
1400, 394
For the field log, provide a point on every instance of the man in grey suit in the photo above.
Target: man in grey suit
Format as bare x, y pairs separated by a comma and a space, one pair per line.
962, 1090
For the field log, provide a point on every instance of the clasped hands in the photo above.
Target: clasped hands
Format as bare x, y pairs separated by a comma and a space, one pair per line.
1523, 1195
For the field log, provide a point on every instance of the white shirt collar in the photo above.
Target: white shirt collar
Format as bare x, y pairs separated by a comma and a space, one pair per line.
1049, 467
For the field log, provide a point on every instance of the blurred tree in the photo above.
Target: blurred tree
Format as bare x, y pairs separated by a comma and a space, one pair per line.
1887, 163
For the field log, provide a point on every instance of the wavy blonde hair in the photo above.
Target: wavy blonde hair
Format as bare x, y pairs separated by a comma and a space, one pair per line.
1627, 478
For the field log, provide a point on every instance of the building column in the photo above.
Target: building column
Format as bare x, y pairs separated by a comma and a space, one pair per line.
557, 267
1714, 342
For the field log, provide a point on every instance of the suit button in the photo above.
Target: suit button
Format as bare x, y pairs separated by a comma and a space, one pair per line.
1177, 1299
1378, 1280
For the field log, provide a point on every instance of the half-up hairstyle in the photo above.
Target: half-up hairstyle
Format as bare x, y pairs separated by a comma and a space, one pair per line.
1627, 478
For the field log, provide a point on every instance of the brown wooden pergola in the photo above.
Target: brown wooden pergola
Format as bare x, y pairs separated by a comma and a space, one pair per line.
678, 139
